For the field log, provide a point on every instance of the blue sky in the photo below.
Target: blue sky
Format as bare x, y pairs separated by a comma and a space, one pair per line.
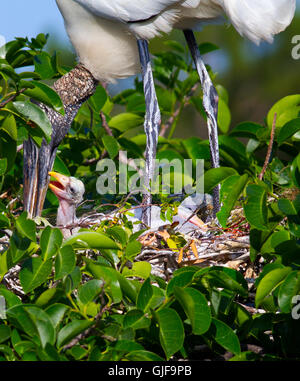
30, 17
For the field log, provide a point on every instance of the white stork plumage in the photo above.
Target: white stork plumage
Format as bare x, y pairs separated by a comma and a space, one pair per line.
111, 41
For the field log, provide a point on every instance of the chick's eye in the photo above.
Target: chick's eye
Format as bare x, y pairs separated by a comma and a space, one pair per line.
72, 190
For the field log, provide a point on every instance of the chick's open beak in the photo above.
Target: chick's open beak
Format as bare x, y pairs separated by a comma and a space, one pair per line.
59, 187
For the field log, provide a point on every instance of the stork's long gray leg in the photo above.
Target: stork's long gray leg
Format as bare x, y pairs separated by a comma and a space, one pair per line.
151, 126
210, 104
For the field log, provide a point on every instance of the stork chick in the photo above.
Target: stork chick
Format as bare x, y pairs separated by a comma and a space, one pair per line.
69, 192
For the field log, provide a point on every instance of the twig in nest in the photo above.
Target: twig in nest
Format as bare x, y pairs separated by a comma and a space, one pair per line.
177, 111
86, 333
11, 98
105, 124
261, 175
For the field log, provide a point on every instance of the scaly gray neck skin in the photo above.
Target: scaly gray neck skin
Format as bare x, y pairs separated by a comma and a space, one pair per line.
66, 216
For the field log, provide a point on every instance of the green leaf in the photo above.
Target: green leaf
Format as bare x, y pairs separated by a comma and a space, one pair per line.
71, 330
287, 207
9, 125
274, 240
195, 307
90, 240
207, 47
3, 166
35, 114
56, 313
5, 349
118, 233
166, 99
10, 298
110, 277
231, 189
72, 281
288, 130
144, 296
182, 279
65, 262
269, 283
289, 288
43, 325
43, 65
48, 296
50, 242
246, 356
26, 227
171, 331
34, 272
133, 249
255, 206
90, 290
247, 130
136, 319
8, 149
286, 108
139, 269
224, 117
128, 287
225, 336
60, 166
215, 176
126, 121
5, 333
45, 94
174, 45
224, 278
142, 355
196, 148
111, 145
18, 316
97, 101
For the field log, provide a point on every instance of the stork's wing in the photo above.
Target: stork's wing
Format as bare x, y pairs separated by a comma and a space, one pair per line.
132, 10
257, 19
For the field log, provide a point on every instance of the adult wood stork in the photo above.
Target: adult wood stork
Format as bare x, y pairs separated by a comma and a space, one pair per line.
104, 34
111, 41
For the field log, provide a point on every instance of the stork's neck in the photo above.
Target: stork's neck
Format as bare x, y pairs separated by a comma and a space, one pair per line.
66, 216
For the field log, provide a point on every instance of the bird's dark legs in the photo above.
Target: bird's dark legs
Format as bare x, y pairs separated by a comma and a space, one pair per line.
30, 161
74, 88
45, 164
37, 164
151, 125
210, 104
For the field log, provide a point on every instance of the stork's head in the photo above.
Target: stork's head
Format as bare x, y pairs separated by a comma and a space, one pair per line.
67, 188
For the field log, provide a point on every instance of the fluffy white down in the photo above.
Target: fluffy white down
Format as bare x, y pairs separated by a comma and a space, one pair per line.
106, 44
104, 47
259, 20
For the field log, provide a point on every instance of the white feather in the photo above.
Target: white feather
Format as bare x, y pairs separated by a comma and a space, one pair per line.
104, 47
104, 32
259, 20
129, 10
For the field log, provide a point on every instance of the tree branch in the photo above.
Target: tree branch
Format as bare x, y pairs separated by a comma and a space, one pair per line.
269, 152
